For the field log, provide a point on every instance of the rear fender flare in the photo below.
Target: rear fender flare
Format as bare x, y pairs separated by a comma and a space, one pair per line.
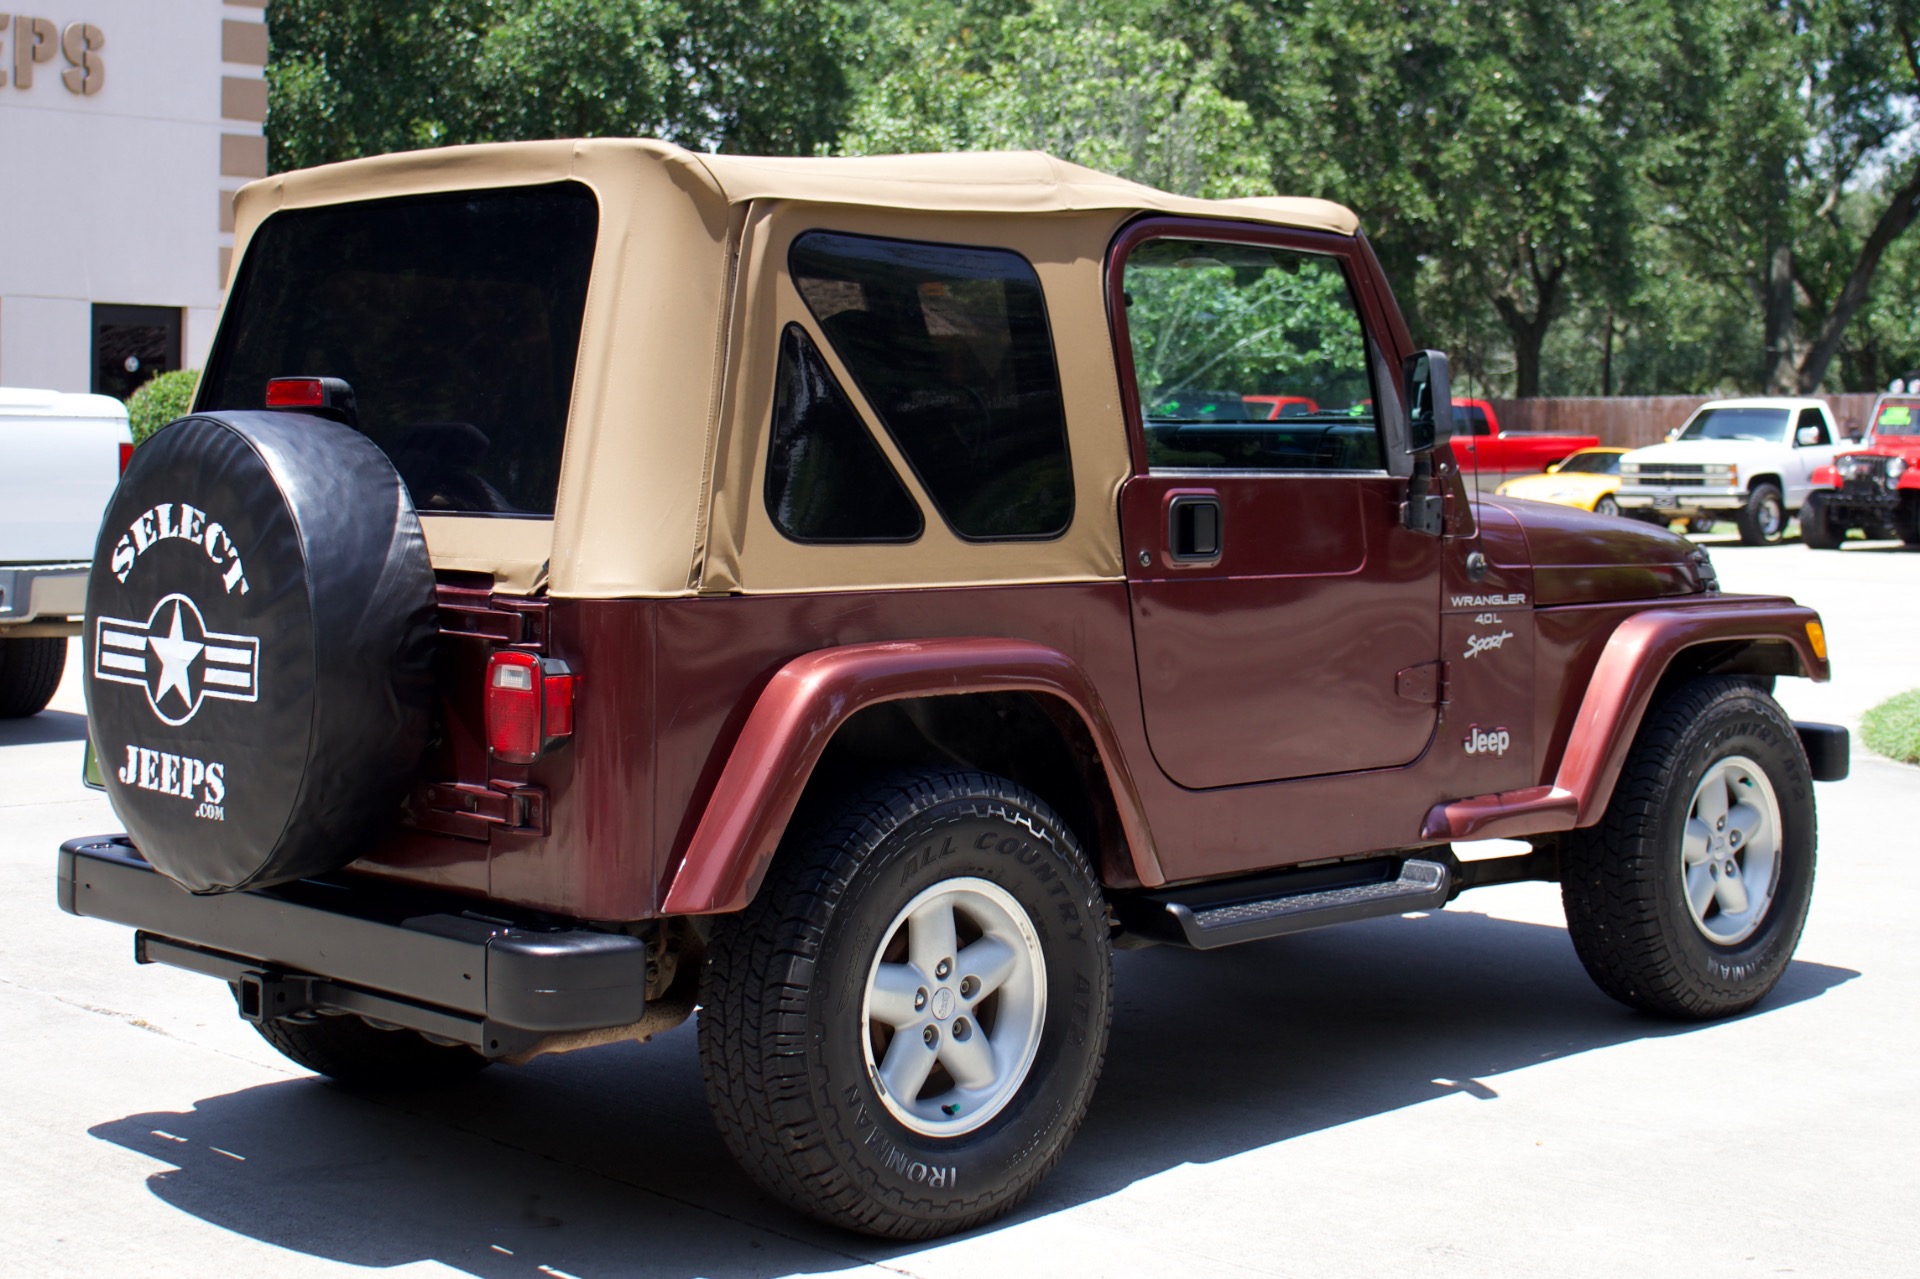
805, 704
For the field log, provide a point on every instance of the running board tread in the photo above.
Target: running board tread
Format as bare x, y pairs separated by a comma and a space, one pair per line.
1421, 885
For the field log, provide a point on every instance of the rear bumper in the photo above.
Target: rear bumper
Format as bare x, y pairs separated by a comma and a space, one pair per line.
498, 985
45, 594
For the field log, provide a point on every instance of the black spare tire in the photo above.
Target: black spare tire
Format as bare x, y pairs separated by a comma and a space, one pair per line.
259, 640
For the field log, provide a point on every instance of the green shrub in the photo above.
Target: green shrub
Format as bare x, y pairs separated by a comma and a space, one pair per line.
163, 398
1893, 727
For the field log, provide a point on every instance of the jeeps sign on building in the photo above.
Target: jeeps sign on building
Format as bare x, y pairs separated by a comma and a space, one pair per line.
125, 128
34, 42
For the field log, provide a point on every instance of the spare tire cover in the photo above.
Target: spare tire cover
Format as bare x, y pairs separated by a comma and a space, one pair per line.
259, 641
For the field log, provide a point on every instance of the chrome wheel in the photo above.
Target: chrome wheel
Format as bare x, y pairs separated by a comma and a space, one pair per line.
1730, 852
1606, 506
955, 1000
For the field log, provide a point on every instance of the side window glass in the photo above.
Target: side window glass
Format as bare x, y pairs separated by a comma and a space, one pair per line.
1812, 418
1248, 357
950, 345
827, 481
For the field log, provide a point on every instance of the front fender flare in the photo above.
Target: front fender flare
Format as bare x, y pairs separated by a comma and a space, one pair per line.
808, 700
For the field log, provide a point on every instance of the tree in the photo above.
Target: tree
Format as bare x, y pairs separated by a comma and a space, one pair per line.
1062, 78
1794, 172
360, 77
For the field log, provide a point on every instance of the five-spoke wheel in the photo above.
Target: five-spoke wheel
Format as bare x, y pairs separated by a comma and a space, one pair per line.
1731, 849
954, 1006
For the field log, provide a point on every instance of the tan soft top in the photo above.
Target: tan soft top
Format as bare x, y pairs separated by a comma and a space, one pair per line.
657, 482
957, 182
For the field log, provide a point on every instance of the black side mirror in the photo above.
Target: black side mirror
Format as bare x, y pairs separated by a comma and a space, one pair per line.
1429, 401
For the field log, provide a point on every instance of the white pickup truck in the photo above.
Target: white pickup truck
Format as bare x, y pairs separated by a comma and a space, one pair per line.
60, 457
1752, 459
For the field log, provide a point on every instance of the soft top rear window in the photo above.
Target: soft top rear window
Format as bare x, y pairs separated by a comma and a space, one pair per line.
455, 318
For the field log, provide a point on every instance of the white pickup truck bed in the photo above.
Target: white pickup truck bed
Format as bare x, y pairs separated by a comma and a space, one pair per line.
60, 457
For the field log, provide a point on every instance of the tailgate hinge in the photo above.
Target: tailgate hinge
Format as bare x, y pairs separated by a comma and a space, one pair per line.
475, 812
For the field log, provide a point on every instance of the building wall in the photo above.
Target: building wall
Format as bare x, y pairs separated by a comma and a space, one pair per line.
119, 178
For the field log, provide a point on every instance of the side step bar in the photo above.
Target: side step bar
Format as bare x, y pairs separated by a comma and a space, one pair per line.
1206, 916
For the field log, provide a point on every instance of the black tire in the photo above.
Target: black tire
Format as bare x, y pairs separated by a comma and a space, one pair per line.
1623, 881
1701, 523
1818, 527
1605, 505
30, 671
1763, 520
786, 1045
260, 635
357, 1055
1907, 519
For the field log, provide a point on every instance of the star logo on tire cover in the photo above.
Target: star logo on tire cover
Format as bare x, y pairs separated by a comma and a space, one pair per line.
176, 659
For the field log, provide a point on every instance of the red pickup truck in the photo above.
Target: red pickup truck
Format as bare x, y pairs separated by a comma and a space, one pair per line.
1481, 447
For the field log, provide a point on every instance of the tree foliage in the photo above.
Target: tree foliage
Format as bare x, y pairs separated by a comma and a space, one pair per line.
360, 77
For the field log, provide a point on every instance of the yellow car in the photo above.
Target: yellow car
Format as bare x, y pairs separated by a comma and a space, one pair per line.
1585, 479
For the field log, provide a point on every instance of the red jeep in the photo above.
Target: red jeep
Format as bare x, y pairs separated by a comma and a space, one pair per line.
1875, 488
599, 579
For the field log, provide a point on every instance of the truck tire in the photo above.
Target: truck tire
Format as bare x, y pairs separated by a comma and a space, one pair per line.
1687, 899
260, 633
1818, 527
30, 671
1763, 520
358, 1055
901, 1033
1907, 520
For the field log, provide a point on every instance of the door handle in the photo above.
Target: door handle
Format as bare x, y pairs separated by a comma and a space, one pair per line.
1194, 528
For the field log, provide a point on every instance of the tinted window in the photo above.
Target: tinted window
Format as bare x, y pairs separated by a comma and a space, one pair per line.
950, 346
1248, 357
827, 481
1470, 419
1767, 425
455, 318
1591, 464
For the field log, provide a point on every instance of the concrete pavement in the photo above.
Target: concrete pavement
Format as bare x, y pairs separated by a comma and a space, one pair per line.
1446, 1095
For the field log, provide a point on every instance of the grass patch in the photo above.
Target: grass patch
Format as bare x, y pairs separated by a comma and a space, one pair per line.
1893, 727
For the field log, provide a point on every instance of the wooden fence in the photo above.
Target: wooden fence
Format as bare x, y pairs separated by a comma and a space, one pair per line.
1630, 422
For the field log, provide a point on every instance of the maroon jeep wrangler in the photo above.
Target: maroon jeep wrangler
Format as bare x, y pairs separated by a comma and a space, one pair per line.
599, 580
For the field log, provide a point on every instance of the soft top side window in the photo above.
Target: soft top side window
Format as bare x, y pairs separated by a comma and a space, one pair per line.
950, 345
1249, 357
827, 481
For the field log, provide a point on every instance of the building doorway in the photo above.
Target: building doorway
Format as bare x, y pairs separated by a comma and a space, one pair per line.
132, 344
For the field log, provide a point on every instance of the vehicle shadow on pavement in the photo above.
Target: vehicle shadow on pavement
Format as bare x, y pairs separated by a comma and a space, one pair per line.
605, 1162
47, 726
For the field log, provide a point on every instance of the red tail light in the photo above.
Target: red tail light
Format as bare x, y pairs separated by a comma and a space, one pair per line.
529, 705
126, 456
296, 393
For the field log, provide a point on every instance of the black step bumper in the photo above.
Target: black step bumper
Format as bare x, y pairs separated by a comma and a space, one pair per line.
496, 984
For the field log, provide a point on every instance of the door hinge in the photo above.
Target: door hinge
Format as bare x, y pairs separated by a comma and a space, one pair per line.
1425, 683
